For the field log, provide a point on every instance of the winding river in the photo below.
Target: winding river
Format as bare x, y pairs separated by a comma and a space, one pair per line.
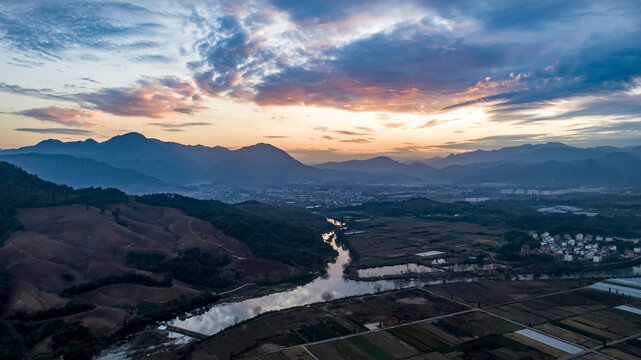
333, 285
224, 315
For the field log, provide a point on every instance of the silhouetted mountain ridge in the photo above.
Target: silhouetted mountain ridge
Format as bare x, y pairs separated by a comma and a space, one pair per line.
139, 164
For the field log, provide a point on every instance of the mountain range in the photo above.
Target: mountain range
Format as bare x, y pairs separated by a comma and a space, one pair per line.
137, 164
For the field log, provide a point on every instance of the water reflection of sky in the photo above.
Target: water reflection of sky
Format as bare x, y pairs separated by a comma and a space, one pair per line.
224, 315
395, 270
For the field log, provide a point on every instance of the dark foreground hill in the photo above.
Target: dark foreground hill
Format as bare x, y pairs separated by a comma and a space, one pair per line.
86, 264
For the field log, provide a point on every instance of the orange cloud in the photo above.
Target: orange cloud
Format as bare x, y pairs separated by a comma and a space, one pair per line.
430, 123
69, 116
154, 99
394, 125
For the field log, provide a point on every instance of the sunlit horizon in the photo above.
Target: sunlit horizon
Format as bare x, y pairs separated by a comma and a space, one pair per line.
324, 81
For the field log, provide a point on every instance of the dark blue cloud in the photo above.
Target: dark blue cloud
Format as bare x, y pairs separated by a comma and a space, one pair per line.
503, 15
388, 69
318, 12
555, 46
225, 53
48, 27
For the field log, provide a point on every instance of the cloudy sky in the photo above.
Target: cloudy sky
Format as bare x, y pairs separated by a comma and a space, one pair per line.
324, 79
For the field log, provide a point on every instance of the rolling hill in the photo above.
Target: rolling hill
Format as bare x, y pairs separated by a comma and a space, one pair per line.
92, 262
381, 165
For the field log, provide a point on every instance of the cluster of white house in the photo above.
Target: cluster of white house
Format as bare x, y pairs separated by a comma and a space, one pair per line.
582, 247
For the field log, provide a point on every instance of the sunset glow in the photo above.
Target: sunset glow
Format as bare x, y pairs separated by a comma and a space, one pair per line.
324, 80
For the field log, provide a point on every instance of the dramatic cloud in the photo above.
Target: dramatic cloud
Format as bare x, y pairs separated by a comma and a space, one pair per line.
151, 98
510, 66
179, 125
49, 27
44, 93
351, 133
394, 125
357, 141
232, 55
369, 130
497, 141
155, 99
67, 116
432, 57
60, 131
428, 124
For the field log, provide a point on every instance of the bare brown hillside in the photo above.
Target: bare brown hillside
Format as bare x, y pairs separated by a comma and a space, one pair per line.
88, 243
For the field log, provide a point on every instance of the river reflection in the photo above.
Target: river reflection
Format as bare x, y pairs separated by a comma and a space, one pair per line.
395, 270
224, 315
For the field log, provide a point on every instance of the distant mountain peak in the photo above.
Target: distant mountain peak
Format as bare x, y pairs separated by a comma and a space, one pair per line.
262, 148
261, 145
129, 136
556, 144
381, 158
49, 142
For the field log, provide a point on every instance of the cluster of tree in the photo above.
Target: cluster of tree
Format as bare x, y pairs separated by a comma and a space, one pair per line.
69, 340
622, 225
154, 262
4, 288
517, 214
8, 222
268, 232
191, 266
20, 189
271, 232
73, 306
480, 213
413, 207
126, 278
147, 312
514, 240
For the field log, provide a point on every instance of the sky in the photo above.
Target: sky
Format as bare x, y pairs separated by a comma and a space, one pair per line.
324, 80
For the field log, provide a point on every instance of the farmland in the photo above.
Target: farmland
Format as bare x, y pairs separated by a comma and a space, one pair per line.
383, 240
543, 323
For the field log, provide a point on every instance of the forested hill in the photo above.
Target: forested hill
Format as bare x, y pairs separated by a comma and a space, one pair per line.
281, 234
19, 189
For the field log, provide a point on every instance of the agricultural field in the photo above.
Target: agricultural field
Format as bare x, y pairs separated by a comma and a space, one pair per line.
485, 293
272, 331
557, 306
628, 350
567, 321
383, 240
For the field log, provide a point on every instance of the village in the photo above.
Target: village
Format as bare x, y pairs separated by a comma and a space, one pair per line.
583, 247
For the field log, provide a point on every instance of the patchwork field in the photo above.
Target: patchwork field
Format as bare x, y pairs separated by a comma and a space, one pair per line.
324, 321
558, 306
568, 322
497, 292
391, 240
